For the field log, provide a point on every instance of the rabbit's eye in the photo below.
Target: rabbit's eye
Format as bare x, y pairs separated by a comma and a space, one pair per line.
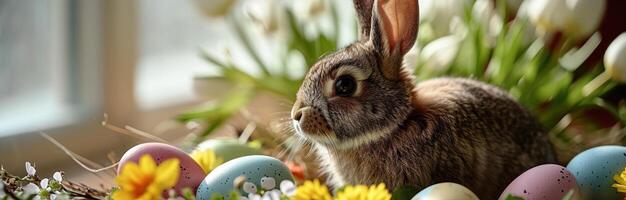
345, 86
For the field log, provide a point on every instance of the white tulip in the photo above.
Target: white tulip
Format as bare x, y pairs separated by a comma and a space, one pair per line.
310, 9
490, 21
585, 17
513, 6
411, 58
439, 13
215, 8
615, 59
315, 15
439, 54
482, 11
268, 15
548, 15
576, 18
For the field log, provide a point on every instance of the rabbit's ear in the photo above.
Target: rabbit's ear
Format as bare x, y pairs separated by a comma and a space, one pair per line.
393, 32
363, 10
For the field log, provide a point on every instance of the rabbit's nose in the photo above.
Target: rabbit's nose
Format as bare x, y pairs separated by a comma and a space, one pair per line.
297, 115
296, 111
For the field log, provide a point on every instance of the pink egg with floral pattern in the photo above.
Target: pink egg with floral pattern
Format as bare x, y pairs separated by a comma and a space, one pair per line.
191, 174
544, 182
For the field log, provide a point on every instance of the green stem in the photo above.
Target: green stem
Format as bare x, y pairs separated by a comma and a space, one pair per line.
248, 44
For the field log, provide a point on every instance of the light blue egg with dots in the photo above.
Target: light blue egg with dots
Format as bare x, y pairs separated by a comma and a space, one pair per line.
594, 170
256, 169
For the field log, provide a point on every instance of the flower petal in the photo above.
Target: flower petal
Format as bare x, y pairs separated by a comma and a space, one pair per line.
30, 189
58, 176
121, 195
147, 164
288, 188
2, 194
130, 173
167, 173
44, 183
30, 170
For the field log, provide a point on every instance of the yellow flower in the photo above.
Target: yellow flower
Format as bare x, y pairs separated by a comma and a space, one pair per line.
362, 192
206, 159
146, 180
312, 190
621, 182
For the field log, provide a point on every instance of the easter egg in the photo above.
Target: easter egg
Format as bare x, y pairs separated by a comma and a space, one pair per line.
191, 174
256, 172
594, 170
228, 149
547, 181
445, 191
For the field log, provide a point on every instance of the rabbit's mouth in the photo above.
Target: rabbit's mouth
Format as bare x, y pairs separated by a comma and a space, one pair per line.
309, 123
325, 138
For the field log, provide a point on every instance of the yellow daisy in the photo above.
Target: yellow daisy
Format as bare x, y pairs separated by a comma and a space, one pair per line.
621, 182
362, 192
146, 180
312, 190
206, 159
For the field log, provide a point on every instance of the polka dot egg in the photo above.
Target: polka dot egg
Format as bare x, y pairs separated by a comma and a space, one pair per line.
594, 170
256, 172
190, 172
543, 182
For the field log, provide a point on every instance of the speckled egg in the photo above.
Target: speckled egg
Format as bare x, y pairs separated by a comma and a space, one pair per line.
258, 172
445, 191
191, 173
543, 182
594, 170
228, 149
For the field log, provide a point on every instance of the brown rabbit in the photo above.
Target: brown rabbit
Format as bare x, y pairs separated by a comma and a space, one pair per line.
370, 123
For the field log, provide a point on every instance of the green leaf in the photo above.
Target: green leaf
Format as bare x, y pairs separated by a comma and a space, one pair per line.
569, 195
247, 43
404, 193
234, 195
188, 194
217, 196
511, 197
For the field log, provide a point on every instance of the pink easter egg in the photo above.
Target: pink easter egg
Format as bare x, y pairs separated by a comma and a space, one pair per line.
547, 182
191, 174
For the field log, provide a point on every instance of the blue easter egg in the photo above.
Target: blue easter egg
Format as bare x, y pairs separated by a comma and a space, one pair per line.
594, 170
259, 172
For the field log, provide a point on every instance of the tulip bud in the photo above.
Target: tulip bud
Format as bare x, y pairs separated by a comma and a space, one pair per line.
439, 54
411, 58
439, 13
548, 15
576, 18
490, 21
215, 8
267, 14
585, 17
615, 59
310, 9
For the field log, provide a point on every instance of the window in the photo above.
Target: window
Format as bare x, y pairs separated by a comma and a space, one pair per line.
39, 72
171, 34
